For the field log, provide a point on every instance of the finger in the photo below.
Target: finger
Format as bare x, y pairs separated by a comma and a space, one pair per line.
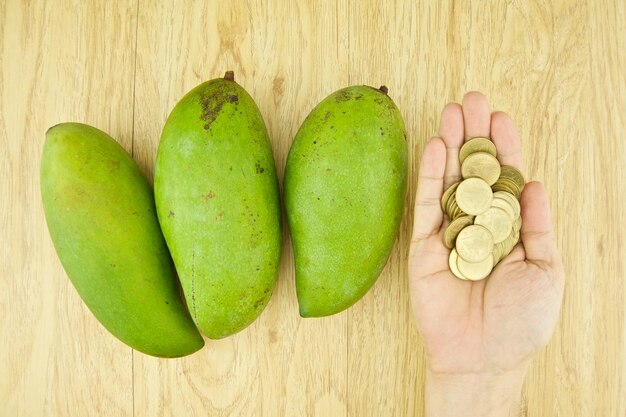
537, 234
476, 115
506, 137
428, 215
451, 131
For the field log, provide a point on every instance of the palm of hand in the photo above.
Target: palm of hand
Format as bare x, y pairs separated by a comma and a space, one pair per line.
496, 324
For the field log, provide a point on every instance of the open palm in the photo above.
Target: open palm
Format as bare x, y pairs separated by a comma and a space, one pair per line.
497, 324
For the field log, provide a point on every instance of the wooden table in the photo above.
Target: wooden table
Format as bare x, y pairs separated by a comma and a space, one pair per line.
559, 68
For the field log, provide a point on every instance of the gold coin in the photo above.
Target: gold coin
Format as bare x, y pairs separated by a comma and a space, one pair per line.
451, 207
517, 224
502, 251
497, 221
447, 194
514, 175
473, 196
452, 259
510, 243
447, 209
454, 228
476, 145
457, 213
448, 205
507, 186
504, 205
474, 243
497, 253
514, 240
481, 165
475, 271
511, 181
510, 198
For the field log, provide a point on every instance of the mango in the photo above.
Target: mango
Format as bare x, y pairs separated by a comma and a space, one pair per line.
100, 212
217, 199
344, 188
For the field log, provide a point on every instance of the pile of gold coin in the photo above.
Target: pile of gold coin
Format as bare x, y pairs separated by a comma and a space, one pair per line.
484, 211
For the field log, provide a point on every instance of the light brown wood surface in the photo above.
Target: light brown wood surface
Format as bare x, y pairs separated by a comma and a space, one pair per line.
559, 68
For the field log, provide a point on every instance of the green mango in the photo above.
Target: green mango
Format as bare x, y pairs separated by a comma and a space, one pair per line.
218, 203
344, 189
101, 216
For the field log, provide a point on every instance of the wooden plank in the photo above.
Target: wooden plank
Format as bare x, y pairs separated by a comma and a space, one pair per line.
281, 365
56, 65
591, 153
556, 68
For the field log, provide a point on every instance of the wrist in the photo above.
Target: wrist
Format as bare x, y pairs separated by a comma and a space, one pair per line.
474, 395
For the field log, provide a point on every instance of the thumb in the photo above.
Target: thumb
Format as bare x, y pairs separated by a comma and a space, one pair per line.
537, 234
428, 215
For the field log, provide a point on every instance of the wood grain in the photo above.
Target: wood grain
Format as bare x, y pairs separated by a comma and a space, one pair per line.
556, 67
56, 359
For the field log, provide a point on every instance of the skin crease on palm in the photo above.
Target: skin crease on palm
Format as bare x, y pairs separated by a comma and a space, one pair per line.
494, 326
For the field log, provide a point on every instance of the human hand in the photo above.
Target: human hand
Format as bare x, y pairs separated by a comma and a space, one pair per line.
480, 335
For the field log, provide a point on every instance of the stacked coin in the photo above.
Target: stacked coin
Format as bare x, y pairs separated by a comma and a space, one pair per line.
484, 211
